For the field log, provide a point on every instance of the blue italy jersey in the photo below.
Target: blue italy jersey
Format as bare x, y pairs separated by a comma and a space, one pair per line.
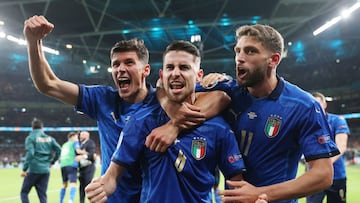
273, 132
111, 112
185, 172
338, 125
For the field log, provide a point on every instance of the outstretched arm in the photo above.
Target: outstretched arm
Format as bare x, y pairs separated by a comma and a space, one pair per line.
318, 178
46, 82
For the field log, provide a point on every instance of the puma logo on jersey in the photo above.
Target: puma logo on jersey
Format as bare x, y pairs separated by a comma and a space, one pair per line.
252, 115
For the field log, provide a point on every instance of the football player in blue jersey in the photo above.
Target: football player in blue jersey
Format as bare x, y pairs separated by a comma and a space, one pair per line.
337, 192
185, 171
275, 123
110, 107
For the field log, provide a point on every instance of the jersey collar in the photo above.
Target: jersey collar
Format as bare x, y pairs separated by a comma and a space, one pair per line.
275, 94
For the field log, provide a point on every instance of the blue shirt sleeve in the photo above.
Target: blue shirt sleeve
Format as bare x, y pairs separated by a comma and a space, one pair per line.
131, 143
231, 162
315, 135
225, 86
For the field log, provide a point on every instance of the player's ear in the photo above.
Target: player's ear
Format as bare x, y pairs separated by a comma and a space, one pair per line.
199, 75
274, 59
160, 74
147, 70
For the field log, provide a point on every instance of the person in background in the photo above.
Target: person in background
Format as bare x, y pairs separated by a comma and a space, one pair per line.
337, 191
86, 162
112, 107
275, 123
185, 171
42, 151
69, 165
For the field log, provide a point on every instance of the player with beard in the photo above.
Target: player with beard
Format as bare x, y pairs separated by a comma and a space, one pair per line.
275, 123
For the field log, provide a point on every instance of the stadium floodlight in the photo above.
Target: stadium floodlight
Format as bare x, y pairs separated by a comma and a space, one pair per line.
23, 42
353, 8
16, 40
50, 50
335, 20
329, 99
195, 38
2, 35
69, 46
327, 25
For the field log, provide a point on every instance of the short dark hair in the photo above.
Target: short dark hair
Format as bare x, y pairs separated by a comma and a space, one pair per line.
37, 124
182, 45
134, 44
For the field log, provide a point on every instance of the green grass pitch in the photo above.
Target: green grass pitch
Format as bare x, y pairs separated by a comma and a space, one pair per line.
11, 184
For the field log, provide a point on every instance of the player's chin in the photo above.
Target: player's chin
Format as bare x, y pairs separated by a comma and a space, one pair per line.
176, 97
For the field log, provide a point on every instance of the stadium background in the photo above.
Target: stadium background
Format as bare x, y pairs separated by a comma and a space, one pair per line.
328, 62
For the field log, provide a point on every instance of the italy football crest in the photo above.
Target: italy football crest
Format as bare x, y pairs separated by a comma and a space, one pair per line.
198, 148
272, 126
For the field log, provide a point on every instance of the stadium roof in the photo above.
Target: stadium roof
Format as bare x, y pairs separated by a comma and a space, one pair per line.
93, 26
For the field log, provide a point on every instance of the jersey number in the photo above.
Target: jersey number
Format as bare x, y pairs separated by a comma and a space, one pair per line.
244, 141
180, 161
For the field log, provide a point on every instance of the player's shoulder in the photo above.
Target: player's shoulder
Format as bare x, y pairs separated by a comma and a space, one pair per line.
335, 116
337, 120
294, 94
147, 111
99, 89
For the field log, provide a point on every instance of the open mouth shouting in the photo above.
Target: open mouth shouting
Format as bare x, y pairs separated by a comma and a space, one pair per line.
124, 82
241, 72
176, 86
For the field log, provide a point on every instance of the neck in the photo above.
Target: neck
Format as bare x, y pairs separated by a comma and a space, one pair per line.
137, 97
265, 88
191, 99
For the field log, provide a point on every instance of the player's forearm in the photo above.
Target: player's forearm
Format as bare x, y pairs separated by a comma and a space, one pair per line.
212, 103
40, 70
111, 177
341, 142
318, 178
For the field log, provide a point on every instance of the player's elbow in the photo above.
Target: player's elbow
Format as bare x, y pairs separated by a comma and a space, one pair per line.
321, 174
327, 178
43, 88
46, 85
